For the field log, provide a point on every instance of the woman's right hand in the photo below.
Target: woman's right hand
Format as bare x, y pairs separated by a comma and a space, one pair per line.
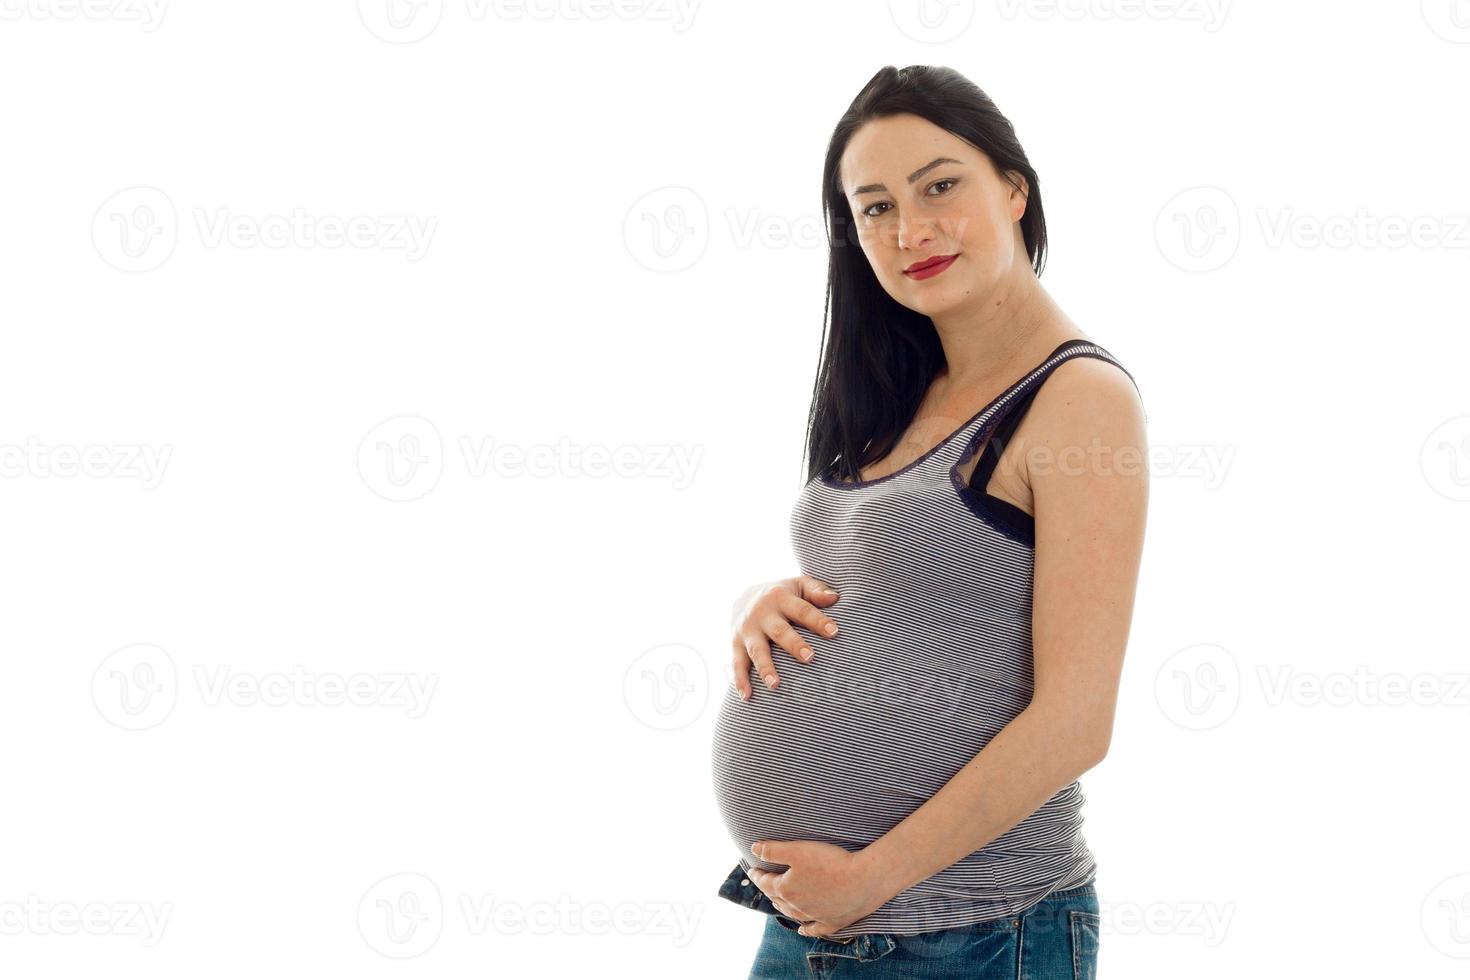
764, 613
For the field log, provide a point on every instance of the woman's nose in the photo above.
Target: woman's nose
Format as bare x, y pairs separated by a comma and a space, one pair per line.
914, 234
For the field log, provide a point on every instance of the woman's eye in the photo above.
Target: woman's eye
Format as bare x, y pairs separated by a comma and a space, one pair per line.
946, 184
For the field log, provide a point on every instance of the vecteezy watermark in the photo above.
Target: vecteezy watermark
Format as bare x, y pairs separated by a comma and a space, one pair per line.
298, 687
137, 687
407, 21
1362, 687
566, 916
402, 459
1444, 459
1200, 229
1204, 462
147, 14
937, 696
123, 461
137, 230
1202, 686
1362, 229
404, 915
409, 233
755, 227
400, 21
1208, 920
1210, 13
34, 916
932, 21
667, 687
401, 916
483, 455
667, 230
1445, 916
1198, 687
1450, 19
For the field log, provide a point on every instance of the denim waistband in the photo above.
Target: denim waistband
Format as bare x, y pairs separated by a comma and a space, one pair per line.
738, 888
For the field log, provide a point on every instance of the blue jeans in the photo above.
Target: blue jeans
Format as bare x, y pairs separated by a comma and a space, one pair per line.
1055, 939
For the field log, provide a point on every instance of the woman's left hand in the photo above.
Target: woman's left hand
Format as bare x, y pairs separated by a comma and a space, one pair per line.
826, 884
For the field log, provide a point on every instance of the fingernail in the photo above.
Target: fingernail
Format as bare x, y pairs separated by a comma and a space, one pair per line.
831, 628
806, 653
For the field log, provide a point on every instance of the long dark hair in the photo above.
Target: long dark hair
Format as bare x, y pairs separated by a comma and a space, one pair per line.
879, 356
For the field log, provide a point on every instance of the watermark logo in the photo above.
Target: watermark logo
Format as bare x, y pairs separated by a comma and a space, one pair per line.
400, 21
401, 458
932, 21
667, 230
136, 229
1444, 458
136, 687
1198, 230
401, 916
1199, 686
1450, 19
1202, 686
1445, 916
667, 687
404, 915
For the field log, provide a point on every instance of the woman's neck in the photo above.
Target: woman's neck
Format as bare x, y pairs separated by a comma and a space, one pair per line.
1004, 332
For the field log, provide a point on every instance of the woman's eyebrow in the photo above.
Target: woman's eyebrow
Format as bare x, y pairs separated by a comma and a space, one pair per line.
870, 188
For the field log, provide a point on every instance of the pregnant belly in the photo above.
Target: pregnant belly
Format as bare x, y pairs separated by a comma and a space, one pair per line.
849, 745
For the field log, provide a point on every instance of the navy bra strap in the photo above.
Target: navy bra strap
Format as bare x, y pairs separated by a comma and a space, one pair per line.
1003, 424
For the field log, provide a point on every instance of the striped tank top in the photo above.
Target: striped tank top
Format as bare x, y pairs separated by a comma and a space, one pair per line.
931, 660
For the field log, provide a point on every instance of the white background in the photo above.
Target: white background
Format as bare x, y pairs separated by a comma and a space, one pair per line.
621, 252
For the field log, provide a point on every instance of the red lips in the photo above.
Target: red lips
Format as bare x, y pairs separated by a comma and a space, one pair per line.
929, 267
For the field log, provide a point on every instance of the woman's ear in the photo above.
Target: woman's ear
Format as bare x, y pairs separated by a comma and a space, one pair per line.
1020, 189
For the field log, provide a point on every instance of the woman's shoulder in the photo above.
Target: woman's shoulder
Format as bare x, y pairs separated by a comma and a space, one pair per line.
1090, 385
1086, 400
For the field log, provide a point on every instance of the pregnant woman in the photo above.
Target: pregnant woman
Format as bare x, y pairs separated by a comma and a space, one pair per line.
898, 757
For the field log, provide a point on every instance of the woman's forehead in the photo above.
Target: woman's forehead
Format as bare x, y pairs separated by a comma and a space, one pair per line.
875, 158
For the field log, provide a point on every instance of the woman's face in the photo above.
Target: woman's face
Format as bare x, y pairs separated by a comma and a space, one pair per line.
919, 192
